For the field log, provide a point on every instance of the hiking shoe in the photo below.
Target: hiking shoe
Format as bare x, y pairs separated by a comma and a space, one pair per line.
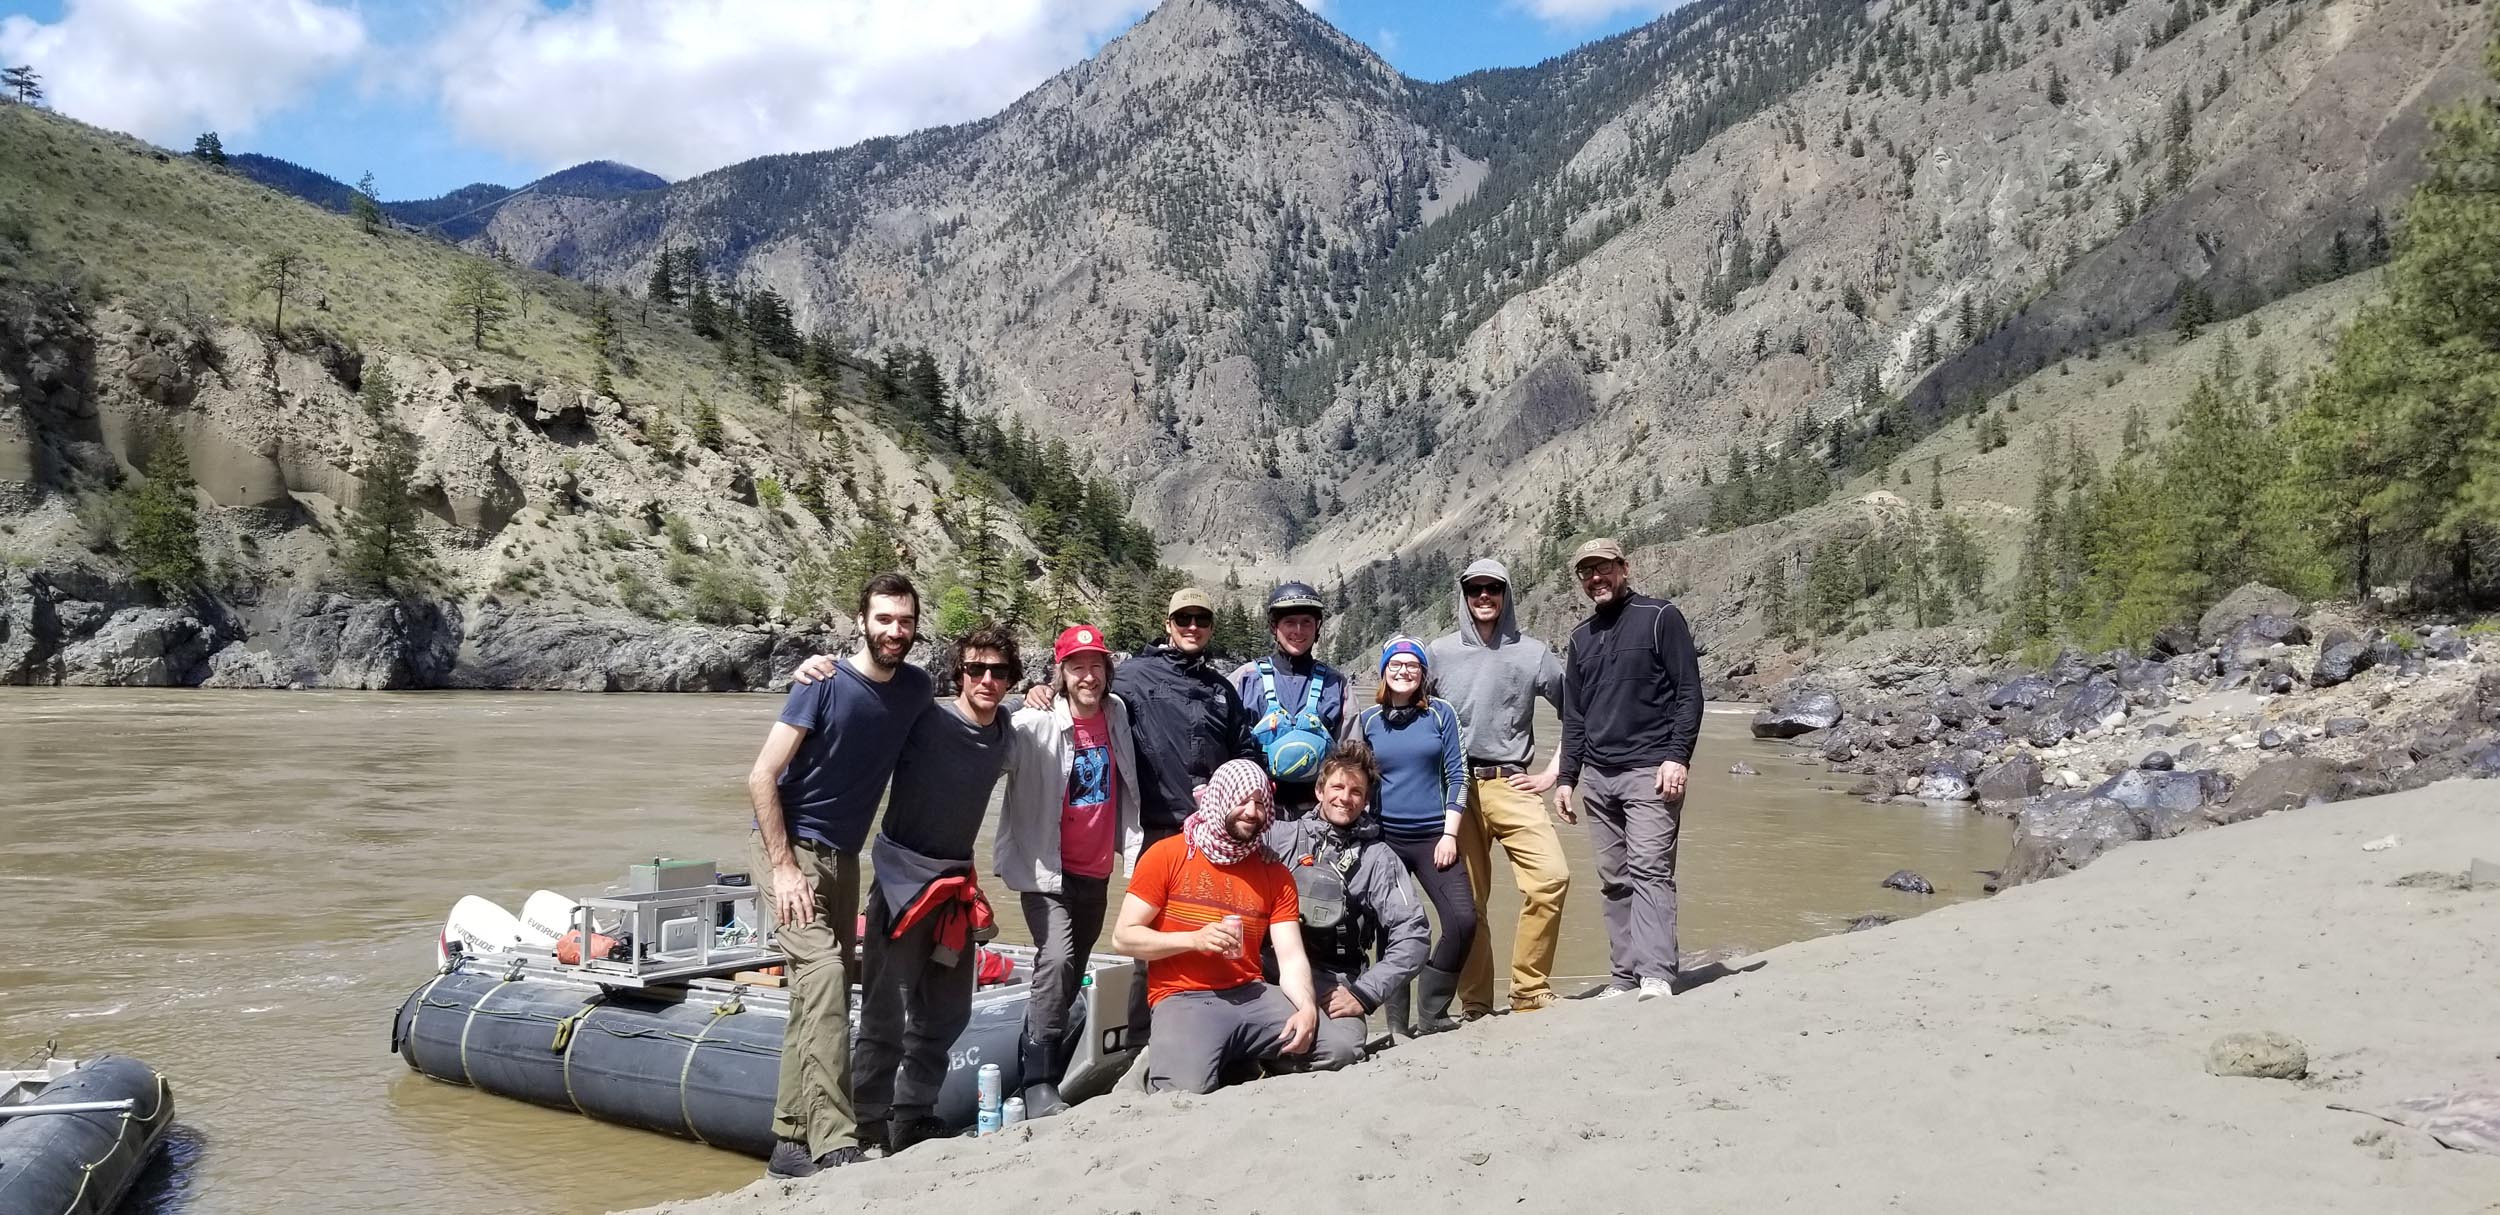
1652, 989
1611, 990
789, 1159
847, 1154
1543, 1001
914, 1130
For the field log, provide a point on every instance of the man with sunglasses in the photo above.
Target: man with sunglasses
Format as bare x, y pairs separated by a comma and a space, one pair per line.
1493, 674
926, 913
1631, 712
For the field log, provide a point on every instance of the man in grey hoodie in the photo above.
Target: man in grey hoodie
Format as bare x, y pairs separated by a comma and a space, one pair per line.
1493, 674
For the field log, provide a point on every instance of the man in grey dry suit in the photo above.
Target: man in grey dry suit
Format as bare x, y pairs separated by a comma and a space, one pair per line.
1354, 893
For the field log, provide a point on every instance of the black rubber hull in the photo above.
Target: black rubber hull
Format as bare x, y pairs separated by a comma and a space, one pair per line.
82, 1164
685, 1068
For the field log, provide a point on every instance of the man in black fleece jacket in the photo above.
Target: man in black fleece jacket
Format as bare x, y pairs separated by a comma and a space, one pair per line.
1631, 712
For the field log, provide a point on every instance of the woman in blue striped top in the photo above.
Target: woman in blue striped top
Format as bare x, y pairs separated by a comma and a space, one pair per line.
1423, 791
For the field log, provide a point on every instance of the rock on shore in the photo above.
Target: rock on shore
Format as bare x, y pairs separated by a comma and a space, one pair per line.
55, 631
1932, 1066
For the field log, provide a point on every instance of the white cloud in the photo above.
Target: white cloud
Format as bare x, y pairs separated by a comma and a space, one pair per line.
1585, 12
681, 86
168, 69
1386, 41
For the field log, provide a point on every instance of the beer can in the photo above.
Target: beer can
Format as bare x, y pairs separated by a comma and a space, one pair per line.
1242, 942
1012, 1112
986, 1122
992, 1086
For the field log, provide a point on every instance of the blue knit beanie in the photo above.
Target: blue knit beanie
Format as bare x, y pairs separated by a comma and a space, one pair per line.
1403, 644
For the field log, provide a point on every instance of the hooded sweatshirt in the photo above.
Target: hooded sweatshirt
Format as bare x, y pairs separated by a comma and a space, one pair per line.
1494, 685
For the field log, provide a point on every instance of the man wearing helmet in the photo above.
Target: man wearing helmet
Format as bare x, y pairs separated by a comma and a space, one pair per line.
1297, 702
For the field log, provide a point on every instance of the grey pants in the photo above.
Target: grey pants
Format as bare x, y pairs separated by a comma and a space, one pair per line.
1632, 830
911, 1010
1339, 1042
1064, 927
1199, 1035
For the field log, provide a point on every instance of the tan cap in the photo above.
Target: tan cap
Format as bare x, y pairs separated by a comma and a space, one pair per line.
1600, 549
1188, 597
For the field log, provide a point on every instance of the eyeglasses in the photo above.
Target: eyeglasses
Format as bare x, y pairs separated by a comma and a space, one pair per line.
1482, 590
1193, 620
988, 670
1594, 569
1406, 667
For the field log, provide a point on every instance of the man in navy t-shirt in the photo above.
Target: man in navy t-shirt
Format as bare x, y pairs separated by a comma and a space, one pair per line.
815, 790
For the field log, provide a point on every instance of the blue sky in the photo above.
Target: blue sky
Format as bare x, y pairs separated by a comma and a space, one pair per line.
431, 95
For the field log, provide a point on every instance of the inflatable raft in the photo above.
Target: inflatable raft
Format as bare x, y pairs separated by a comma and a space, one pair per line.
75, 1134
692, 1055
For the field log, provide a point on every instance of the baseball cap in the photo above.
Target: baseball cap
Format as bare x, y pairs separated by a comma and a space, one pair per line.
1600, 549
1078, 639
1188, 597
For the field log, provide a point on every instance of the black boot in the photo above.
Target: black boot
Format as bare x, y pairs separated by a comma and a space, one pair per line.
1399, 1009
1434, 989
1040, 1057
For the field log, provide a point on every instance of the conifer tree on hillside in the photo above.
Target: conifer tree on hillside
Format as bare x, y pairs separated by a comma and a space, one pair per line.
384, 547
478, 304
162, 535
277, 274
364, 207
23, 82
209, 150
2401, 437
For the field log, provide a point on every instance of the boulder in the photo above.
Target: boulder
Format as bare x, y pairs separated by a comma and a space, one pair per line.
1956, 712
2251, 600
2172, 640
240, 666
2191, 753
1944, 780
1908, 883
2064, 832
1794, 715
2097, 703
2252, 644
2153, 791
2157, 761
142, 648
1986, 739
2272, 740
2265, 1055
2447, 644
2009, 783
1874, 920
1839, 747
2027, 693
338, 641
2286, 783
2345, 727
2048, 730
2340, 657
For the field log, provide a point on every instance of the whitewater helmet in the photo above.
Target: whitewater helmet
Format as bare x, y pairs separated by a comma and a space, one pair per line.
1291, 597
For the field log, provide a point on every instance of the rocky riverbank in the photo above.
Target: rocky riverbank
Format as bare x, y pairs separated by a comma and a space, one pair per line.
2090, 1044
65, 629
2262, 707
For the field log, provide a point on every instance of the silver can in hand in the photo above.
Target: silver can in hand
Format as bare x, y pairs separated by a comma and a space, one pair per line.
1241, 943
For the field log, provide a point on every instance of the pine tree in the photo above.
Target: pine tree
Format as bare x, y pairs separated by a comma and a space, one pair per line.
278, 273
1935, 483
603, 345
478, 304
707, 424
162, 535
23, 81
384, 546
209, 150
364, 207
702, 310
2057, 86
661, 287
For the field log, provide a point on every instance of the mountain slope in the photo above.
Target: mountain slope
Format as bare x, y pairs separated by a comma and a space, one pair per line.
458, 215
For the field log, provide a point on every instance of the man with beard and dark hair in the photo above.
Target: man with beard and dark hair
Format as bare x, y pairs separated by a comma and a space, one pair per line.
1631, 712
814, 790
1197, 912
926, 912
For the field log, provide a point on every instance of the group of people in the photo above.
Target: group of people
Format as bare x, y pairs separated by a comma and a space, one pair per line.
1274, 833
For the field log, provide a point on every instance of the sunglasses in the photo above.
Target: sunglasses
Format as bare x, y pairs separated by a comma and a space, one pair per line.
988, 670
1193, 620
1481, 590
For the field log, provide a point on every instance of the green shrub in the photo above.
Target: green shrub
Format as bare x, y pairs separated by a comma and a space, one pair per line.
722, 595
768, 492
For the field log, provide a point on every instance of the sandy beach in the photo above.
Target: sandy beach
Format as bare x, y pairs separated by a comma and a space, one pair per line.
2043, 1050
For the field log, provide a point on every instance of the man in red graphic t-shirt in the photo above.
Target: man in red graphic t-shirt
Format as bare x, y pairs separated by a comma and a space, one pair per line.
1197, 911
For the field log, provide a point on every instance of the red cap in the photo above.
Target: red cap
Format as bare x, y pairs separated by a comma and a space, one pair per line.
1079, 639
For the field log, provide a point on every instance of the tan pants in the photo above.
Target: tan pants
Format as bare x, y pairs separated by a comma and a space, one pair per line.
1497, 813
813, 1103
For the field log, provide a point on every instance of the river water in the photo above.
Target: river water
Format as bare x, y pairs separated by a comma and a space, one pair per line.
241, 887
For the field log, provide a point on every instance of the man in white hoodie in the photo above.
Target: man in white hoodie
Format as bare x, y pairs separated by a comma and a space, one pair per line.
1071, 813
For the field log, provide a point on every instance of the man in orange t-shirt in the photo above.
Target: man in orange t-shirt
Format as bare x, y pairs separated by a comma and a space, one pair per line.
1197, 910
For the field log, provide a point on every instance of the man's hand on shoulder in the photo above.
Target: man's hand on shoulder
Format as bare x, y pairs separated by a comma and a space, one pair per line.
819, 667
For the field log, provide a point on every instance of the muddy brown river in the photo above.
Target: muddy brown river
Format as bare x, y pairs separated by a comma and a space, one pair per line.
241, 887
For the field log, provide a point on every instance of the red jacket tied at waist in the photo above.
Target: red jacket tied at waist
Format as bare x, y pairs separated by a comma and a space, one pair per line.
962, 911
